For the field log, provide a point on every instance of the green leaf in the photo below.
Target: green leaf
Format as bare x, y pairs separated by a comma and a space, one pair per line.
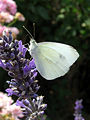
82, 32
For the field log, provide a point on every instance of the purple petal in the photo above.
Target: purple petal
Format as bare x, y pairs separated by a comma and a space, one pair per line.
22, 48
8, 65
24, 51
32, 64
34, 72
2, 64
34, 95
9, 91
26, 102
26, 69
20, 103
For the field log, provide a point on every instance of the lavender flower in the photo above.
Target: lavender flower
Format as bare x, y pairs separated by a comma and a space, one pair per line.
78, 108
23, 71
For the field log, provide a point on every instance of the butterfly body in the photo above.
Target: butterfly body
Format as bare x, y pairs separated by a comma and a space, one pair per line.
32, 47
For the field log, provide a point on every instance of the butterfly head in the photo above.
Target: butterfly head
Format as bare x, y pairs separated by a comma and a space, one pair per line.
33, 45
32, 41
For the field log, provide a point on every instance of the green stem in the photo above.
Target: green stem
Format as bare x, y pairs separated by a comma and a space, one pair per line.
10, 24
39, 118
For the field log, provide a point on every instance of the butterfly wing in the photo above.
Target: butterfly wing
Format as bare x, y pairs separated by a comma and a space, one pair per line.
67, 51
51, 61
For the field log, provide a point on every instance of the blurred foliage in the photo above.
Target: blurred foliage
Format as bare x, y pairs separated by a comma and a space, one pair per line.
65, 21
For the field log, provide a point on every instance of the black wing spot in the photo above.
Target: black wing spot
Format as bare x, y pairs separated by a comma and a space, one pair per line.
61, 57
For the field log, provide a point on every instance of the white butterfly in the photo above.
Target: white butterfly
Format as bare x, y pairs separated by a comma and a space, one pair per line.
52, 59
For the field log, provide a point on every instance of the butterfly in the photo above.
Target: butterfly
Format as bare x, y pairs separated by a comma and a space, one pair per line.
52, 59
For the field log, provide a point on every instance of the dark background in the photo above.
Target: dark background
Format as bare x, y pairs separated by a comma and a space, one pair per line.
65, 21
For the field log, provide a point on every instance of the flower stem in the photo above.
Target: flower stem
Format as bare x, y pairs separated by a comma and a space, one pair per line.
13, 22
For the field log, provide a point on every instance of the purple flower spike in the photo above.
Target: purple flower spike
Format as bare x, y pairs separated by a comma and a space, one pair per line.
23, 71
35, 108
78, 108
79, 105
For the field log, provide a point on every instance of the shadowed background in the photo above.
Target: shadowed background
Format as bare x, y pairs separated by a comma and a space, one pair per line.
64, 21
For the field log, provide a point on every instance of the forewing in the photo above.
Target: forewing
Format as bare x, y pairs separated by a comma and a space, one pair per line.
67, 51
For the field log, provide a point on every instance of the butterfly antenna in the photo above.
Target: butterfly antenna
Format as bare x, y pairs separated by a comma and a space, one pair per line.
34, 30
28, 32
